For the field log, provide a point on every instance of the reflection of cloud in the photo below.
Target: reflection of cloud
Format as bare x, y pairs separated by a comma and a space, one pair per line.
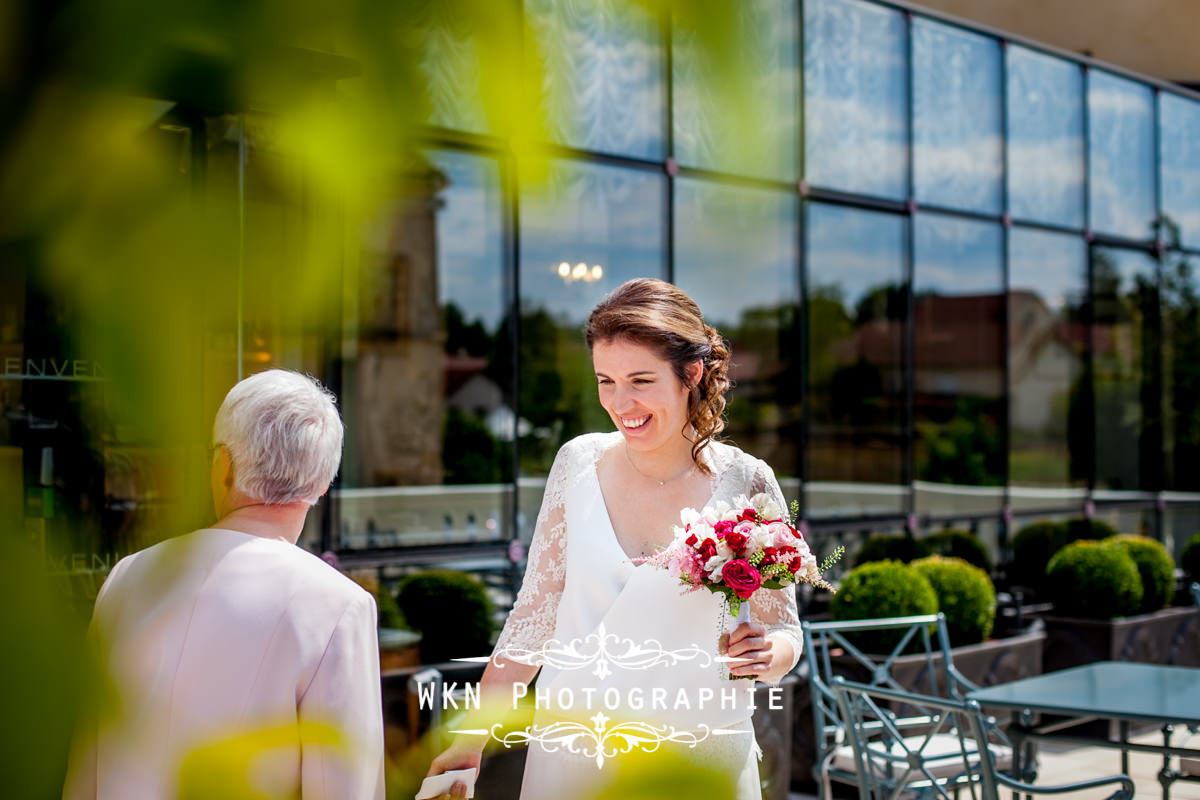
1180, 121
603, 76
957, 156
1121, 133
1051, 265
855, 250
735, 248
955, 256
470, 260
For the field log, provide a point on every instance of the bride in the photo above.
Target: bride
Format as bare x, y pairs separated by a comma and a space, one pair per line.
612, 499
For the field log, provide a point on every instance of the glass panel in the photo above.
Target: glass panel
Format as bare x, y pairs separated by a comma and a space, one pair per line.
855, 94
1049, 444
602, 76
856, 312
736, 255
1181, 370
426, 364
1179, 120
1121, 152
449, 62
957, 157
1045, 138
764, 60
1125, 346
585, 230
958, 307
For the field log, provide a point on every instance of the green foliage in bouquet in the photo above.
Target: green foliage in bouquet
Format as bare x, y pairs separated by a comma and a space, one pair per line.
1154, 565
1093, 580
965, 594
1189, 559
452, 611
891, 547
960, 544
882, 589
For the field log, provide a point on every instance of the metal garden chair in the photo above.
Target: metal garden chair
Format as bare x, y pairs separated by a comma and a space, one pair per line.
922, 639
891, 762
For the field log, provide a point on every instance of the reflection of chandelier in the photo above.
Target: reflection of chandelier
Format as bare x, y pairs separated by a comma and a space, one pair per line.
580, 272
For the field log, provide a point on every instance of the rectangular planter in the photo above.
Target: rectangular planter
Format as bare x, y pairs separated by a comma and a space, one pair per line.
1170, 636
985, 664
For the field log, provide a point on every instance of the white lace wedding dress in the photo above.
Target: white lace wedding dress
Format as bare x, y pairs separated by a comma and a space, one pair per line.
579, 583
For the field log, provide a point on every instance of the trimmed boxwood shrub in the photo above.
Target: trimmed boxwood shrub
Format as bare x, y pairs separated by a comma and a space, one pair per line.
891, 547
1189, 559
960, 544
452, 611
881, 589
965, 594
1032, 548
1094, 580
1155, 566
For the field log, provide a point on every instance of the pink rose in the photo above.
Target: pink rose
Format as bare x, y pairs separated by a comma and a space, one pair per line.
782, 534
723, 527
741, 577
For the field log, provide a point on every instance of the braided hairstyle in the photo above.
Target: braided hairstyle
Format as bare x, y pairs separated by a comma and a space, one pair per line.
662, 317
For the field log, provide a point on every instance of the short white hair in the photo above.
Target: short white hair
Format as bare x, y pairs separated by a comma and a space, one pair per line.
284, 436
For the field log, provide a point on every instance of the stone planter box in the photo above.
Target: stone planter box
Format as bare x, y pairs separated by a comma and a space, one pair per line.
986, 664
1170, 636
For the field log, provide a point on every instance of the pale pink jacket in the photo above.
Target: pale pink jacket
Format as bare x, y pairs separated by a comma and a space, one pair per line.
219, 634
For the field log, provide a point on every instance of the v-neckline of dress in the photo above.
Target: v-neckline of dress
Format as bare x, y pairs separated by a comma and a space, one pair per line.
612, 529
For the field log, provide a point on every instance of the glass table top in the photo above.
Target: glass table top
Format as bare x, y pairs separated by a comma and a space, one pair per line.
1117, 690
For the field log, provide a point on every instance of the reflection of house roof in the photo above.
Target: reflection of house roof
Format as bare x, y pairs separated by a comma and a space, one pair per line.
461, 368
962, 331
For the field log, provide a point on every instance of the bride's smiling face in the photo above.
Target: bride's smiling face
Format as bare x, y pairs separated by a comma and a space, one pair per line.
641, 392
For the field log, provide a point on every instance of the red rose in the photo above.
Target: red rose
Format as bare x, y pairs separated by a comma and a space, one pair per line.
736, 540
769, 555
691, 540
741, 577
708, 549
723, 528
749, 515
794, 567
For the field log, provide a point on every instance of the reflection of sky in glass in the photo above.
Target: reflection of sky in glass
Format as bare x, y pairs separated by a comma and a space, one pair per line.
1051, 265
956, 256
1121, 149
705, 134
469, 242
735, 248
603, 75
1045, 138
855, 93
592, 214
957, 157
1179, 129
854, 251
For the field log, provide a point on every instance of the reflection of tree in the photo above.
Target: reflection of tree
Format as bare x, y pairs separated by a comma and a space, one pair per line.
466, 337
1181, 329
1127, 355
881, 302
470, 453
967, 448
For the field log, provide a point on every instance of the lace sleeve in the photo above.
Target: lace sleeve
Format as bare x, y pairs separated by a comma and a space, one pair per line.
532, 621
776, 609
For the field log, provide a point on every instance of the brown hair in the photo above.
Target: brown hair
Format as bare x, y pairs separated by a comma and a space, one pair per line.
661, 316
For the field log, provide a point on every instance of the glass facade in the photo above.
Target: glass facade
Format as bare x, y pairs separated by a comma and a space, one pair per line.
959, 280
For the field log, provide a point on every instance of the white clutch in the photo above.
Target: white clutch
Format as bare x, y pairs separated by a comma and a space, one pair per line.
436, 785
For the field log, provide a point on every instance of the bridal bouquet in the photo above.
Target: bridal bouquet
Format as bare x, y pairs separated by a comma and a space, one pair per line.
735, 550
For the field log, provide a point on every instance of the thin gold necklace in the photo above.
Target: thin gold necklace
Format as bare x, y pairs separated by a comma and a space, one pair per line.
628, 458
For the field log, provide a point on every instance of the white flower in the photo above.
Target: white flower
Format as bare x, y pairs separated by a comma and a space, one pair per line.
688, 515
762, 538
742, 502
714, 566
766, 506
722, 511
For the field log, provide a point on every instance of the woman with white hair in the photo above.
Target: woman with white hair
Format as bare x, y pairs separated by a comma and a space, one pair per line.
240, 659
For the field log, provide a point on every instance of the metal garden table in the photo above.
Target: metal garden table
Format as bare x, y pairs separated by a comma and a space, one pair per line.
1120, 691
